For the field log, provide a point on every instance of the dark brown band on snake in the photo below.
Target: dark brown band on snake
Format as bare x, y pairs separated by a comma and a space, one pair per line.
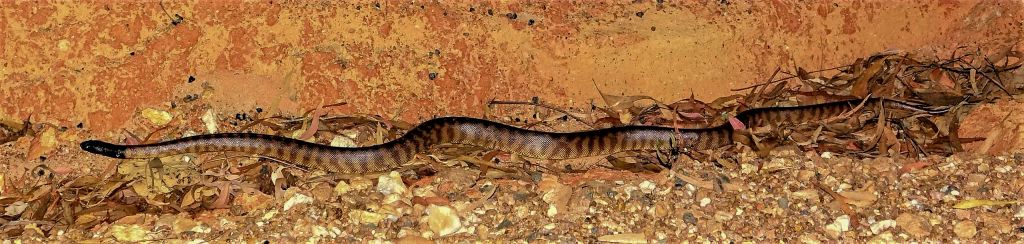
481, 133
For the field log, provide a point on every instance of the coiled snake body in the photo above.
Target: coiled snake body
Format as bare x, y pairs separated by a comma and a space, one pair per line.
482, 133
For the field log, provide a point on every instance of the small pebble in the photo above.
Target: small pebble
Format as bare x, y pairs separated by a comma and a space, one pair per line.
705, 201
965, 229
647, 187
689, 219
879, 226
839, 225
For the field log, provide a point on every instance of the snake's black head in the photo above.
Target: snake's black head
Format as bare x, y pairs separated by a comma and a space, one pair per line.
103, 148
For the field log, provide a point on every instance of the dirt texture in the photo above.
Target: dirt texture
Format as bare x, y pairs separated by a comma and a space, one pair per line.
151, 71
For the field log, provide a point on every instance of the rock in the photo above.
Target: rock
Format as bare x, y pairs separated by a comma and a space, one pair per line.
210, 121
342, 141
341, 188
839, 225
705, 201
442, 220
647, 187
365, 217
360, 183
297, 199
965, 229
391, 184
916, 226
880, 226
129, 233
689, 219
252, 201
157, 117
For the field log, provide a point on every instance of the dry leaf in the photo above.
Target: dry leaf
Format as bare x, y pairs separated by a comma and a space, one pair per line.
314, 124
42, 143
967, 204
426, 201
624, 238
862, 198
907, 168
862, 84
736, 124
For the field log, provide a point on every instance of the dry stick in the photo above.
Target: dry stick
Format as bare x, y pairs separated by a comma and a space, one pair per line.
791, 77
980, 72
999, 80
993, 81
906, 135
852, 111
537, 102
895, 72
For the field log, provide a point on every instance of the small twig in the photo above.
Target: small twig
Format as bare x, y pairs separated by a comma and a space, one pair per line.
537, 102
770, 81
852, 111
906, 135
999, 79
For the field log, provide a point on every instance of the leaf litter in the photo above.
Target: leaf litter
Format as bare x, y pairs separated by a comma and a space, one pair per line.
891, 176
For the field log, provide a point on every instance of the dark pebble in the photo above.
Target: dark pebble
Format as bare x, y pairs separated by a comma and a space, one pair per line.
689, 219
511, 15
640, 14
504, 223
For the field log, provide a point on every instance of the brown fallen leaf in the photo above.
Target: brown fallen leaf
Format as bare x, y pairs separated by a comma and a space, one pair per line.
314, 123
862, 85
861, 198
907, 168
843, 204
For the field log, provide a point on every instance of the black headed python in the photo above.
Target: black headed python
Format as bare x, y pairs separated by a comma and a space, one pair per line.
483, 133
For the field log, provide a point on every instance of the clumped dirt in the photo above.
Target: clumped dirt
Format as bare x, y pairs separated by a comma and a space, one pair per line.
135, 73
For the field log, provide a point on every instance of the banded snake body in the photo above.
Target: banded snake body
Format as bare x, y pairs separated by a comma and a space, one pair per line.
483, 133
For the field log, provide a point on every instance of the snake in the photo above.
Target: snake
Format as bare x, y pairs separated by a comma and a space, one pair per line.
528, 143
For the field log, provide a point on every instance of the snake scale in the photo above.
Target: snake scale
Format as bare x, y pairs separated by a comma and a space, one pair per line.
483, 133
